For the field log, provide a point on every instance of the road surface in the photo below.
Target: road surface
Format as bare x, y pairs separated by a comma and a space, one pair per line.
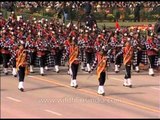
51, 96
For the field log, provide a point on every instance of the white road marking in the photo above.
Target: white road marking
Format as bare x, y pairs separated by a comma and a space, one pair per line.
155, 88
53, 112
11, 98
116, 79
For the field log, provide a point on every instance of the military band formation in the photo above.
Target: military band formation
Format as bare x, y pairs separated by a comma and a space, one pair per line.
43, 43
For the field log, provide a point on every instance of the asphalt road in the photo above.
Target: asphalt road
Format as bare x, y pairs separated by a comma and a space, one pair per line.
51, 96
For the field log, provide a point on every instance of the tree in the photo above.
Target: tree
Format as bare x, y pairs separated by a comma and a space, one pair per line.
116, 14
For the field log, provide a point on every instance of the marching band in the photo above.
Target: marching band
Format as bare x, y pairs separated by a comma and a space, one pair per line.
47, 43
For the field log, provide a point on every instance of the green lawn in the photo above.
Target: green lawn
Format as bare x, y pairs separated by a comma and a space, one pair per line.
123, 24
100, 24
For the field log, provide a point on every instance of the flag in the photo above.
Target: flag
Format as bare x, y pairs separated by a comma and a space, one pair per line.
117, 25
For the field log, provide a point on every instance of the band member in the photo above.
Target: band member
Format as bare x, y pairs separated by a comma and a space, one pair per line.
116, 44
74, 62
139, 47
41, 54
57, 51
101, 63
21, 65
1, 53
152, 52
5, 55
32, 53
82, 45
157, 32
127, 61
54, 47
88, 51
127, 52
46, 43
12, 60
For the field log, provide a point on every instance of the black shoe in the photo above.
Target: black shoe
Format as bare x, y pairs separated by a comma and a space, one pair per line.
138, 71
75, 86
21, 89
103, 94
116, 71
42, 74
152, 75
129, 86
124, 85
6, 73
15, 75
57, 71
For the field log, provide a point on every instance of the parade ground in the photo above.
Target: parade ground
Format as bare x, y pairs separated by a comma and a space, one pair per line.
50, 96
103, 44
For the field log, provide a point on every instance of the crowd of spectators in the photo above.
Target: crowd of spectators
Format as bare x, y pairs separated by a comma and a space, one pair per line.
78, 4
85, 6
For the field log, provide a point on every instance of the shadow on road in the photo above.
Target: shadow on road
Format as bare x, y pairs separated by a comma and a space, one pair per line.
3, 90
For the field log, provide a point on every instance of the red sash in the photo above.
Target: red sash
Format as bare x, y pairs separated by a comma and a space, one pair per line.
73, 54
127, 56
101, 66
21, 61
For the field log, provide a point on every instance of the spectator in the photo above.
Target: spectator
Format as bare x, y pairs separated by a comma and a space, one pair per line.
116, 14
157, 27
137, 13
98, 7
87, 8
65, 12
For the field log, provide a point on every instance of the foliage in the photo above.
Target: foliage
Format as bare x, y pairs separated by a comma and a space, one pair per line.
110, 17
131, 16
99, 15
116, 14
